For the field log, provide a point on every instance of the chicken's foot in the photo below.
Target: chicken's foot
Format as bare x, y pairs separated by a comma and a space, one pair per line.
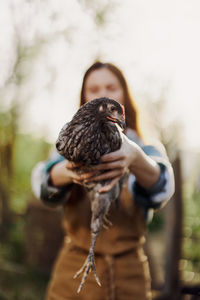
88, 265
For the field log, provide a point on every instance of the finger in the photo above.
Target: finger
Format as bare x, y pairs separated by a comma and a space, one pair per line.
116, 155
83, 177
78, 182
86, 176
118, 164
109, 186
107, 175
72, 165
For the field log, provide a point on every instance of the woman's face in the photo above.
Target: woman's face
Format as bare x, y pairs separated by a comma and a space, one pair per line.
103, 83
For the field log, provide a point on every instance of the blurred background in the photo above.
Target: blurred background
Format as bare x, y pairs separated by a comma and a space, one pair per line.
46, 47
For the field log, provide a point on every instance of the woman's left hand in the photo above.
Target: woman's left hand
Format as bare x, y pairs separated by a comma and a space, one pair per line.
115, 164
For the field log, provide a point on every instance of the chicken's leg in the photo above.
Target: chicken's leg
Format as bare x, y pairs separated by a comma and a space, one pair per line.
88, 265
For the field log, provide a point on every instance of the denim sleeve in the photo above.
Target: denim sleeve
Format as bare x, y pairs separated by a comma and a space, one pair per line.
158, 194
42, 186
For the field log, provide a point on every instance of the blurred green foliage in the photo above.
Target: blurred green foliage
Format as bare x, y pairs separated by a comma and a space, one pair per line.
17, 280
191, 239
28, 151
157, 223
24, 285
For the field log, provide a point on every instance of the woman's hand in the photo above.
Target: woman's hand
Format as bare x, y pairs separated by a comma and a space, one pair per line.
129, 157
65, 172
115, 164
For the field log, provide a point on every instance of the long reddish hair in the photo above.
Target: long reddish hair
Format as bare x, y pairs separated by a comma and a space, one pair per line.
130, 108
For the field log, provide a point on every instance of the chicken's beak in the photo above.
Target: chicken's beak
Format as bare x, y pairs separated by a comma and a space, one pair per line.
121, 123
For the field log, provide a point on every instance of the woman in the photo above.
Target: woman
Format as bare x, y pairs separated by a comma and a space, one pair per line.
121, 264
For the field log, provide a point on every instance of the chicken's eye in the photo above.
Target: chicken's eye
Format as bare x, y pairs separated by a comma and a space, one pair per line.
112, 109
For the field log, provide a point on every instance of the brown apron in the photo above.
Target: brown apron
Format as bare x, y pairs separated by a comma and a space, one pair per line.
121, 264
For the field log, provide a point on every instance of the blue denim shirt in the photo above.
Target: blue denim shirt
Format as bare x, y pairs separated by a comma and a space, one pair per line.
151, 198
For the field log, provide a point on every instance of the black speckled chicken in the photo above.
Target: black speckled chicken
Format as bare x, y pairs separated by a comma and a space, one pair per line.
94, 130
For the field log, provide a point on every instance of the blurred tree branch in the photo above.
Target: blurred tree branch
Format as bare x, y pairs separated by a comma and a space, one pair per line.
169, 132
99, 9
29, 40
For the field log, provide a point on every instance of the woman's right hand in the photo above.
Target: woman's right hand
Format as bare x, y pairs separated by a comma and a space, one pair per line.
64, 173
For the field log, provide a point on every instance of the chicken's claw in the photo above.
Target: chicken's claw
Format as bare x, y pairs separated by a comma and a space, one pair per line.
88, 265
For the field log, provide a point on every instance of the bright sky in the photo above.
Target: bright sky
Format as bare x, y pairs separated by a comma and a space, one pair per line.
155, 42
